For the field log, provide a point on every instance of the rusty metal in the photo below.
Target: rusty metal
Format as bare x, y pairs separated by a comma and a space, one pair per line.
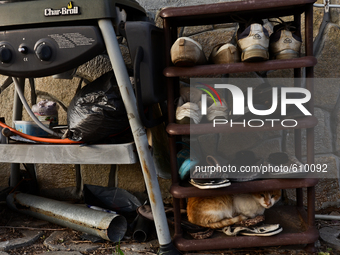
221, 12
308, 236
187, 129
242, 187
108, 226
202, 70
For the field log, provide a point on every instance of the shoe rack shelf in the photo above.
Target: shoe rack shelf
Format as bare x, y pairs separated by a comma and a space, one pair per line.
219, 13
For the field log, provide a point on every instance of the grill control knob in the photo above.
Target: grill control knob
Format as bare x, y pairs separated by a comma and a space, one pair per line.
5, 55
43, 52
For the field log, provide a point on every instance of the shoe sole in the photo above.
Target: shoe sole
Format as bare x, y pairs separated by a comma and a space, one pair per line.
287, 54
254, 55
271, 233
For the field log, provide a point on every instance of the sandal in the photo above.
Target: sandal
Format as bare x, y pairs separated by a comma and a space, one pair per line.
262, 230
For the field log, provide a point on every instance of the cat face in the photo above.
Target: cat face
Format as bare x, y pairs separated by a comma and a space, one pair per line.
268, 198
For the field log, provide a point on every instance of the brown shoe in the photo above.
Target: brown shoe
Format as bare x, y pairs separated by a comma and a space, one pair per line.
224, 54
187, 52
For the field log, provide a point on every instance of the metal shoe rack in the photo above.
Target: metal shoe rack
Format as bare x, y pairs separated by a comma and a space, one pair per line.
173, 18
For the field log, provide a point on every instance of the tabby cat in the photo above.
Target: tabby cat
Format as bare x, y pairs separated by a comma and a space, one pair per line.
225, 210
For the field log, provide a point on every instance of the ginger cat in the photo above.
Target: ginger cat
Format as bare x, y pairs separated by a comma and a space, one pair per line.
222, 211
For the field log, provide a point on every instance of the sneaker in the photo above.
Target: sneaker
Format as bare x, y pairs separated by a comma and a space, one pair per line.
187, 52
262, 230
253, 41
216, 109
224, 54
285, 41
188, 111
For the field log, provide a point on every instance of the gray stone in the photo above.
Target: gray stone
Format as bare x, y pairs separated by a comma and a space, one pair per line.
3, 253
149, 247
326, 93
322, 135
267, 147
210, 39
61, 253
51, 242
330, 236
327, 192
326, 66
29, 238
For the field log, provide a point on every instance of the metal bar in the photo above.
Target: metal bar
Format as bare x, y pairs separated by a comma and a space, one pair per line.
17, 115
137, 129
108, 226
330, 6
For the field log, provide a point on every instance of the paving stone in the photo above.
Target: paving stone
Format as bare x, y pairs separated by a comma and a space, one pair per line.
138, 248
52, 240
3, 253
29, 238
330, 236
61, 253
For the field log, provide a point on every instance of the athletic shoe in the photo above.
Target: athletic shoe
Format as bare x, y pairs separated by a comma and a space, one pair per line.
253, 41
187, 52
285, 41
224, 54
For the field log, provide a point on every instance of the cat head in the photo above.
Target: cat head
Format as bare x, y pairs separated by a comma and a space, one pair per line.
268, 198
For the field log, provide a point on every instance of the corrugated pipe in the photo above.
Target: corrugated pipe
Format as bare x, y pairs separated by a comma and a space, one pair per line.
108, 226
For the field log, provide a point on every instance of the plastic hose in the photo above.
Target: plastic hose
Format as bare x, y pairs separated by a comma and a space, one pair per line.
39, 139
29, 111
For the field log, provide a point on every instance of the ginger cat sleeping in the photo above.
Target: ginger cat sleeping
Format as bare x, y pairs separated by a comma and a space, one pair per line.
222, 211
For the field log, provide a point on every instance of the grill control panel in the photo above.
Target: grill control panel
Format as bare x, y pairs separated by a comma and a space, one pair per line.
38, 52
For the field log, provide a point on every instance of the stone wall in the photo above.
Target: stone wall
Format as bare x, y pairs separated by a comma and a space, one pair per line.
61, 178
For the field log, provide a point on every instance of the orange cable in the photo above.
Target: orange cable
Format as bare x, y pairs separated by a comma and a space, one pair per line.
40, 139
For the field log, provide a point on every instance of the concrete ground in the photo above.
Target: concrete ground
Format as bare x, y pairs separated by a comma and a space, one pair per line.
22, 234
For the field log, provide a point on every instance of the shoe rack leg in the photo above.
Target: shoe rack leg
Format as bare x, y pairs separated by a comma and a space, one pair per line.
138, 131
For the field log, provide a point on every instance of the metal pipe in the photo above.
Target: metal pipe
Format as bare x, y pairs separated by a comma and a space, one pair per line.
327, 217
330, 5
138, 131
108, 226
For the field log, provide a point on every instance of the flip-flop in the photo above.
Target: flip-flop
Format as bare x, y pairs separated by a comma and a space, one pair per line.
262, 230
290, 164
209, 183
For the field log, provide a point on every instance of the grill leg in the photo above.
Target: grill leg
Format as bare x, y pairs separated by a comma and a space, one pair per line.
139, 135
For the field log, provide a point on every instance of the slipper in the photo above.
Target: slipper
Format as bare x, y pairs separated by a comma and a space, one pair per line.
209, 183
291, 167
262, 230
197, 232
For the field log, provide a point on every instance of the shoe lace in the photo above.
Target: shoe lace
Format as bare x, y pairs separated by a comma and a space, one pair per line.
290, 26
245, 22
